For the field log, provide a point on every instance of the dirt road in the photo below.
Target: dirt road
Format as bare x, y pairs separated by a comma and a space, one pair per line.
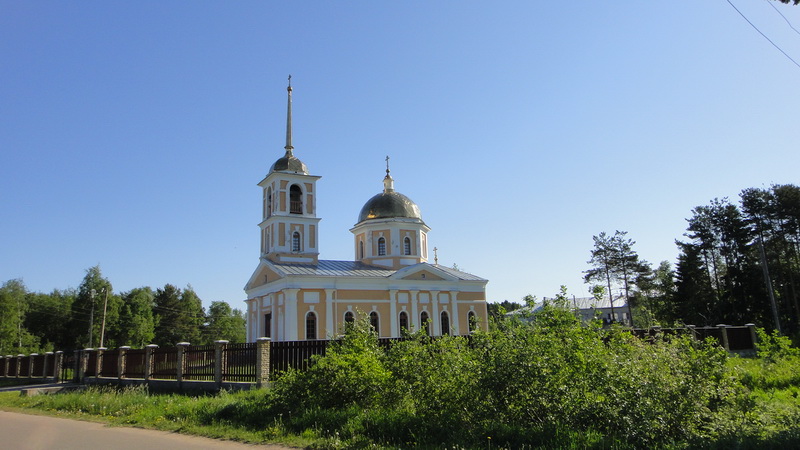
29, 432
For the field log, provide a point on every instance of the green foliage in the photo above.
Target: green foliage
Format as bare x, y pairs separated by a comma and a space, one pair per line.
223, 322
136, 315
87, 309
351, 373
548, 383
773, 347
48, 317
543, 381
14, 337
179, 316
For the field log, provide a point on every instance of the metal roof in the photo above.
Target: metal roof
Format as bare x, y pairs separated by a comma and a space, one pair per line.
331, 268
459, 274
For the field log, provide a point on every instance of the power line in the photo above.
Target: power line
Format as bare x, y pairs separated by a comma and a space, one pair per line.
762, 34
784, 17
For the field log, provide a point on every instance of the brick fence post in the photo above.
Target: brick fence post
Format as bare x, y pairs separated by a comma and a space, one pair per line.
724, 332
220, 361
76, 366
148, 361
99, 362
7, 372
31, 359
122, 359
181, 367
83, 364
48, 360
19, 364
58, 359
753, 335
263, 347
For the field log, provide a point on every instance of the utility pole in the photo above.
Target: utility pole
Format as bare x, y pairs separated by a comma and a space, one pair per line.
103, 328
91, 317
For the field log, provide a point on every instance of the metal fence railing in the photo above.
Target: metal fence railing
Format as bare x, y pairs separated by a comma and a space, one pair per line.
199, 363
240, 362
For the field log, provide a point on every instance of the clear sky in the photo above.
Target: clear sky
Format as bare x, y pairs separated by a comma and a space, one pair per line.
132, 134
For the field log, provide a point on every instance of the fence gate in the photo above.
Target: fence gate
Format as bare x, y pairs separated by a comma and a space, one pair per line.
66, 373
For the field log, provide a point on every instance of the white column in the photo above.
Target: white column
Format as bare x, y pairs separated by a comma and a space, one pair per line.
330, 324
437, 320
290, 318
414, 310
454, 308
393, 328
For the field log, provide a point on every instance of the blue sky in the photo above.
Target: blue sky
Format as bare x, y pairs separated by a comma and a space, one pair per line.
132, 134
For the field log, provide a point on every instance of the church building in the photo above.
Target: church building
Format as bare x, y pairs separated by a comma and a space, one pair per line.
293, 295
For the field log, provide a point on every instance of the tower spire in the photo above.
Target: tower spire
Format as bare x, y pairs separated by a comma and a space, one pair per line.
289, 146
388, 182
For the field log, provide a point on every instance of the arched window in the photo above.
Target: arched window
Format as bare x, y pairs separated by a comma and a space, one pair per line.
295, 200
473, 321
360, 249
311, 326
349, 320
424, 321
295, 241
381, 246
403, 320
406, 246
373, 320
269, 202
445, 324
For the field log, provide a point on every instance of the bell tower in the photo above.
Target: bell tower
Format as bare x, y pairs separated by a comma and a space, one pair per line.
289, 223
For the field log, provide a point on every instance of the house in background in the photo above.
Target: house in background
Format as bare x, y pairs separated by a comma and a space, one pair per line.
294, 295
587, 308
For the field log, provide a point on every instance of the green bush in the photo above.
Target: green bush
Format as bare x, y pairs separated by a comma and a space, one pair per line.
539, 380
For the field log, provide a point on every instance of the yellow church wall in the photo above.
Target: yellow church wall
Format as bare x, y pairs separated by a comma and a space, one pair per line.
471, 296
345, 294
281, 234
312, 239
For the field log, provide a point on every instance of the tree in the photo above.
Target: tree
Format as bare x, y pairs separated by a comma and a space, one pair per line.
179, 316
497, 310
773, 217
615, 263
87, 309
136, 317
655, 289
224, 323
48, 317
14, 337
721, 234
